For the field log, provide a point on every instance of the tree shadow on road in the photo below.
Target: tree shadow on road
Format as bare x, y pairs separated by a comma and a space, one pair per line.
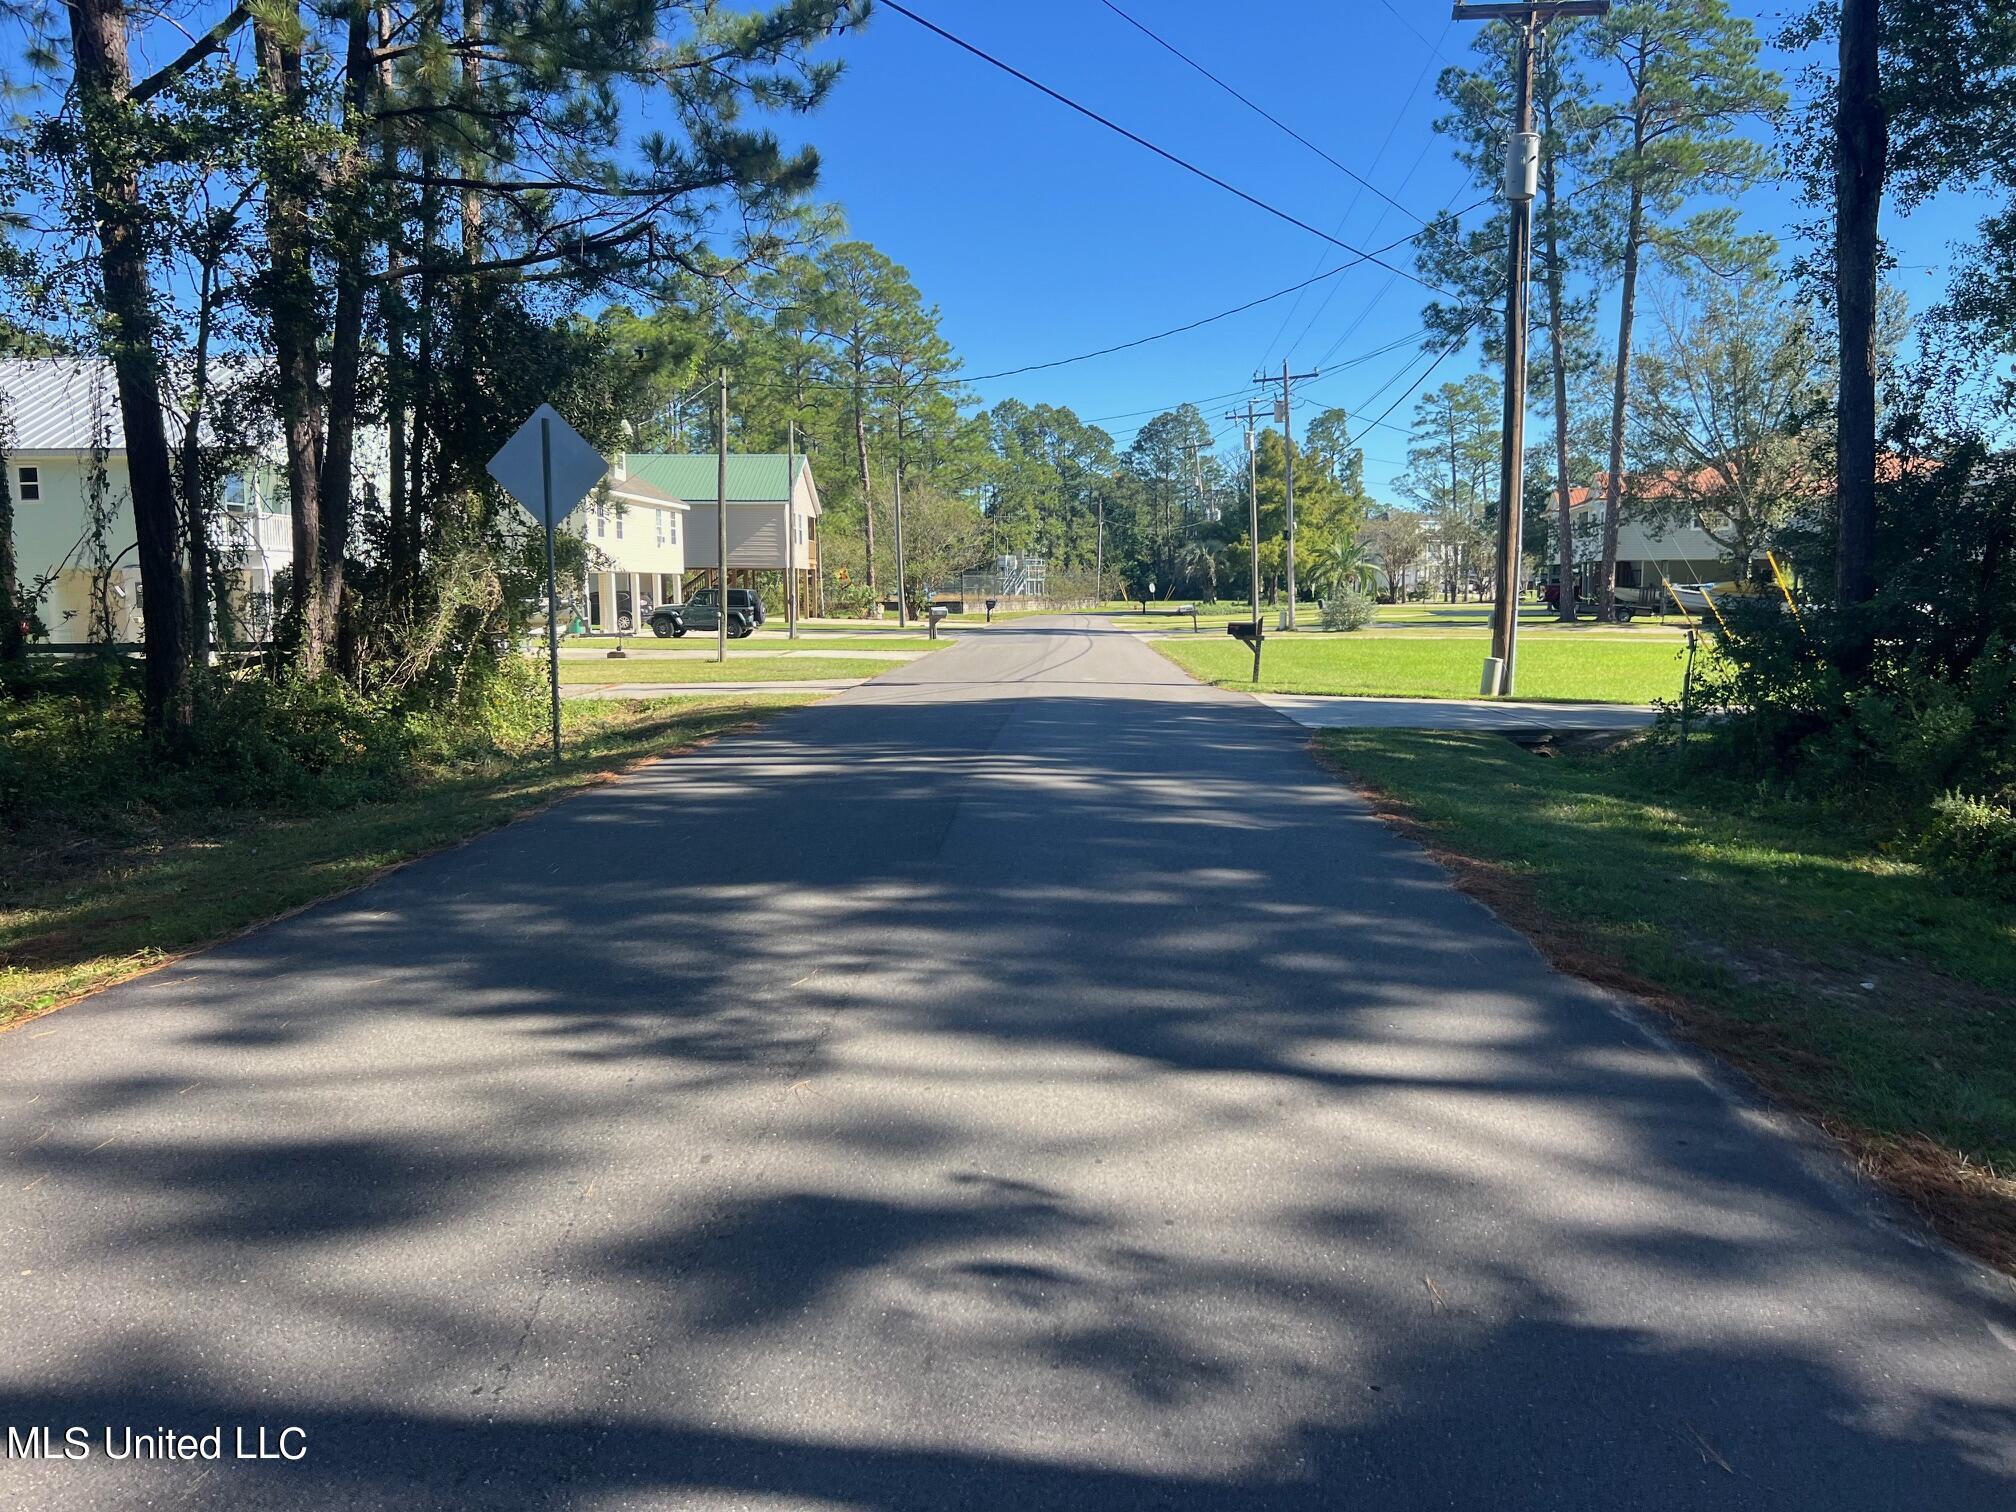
1077, 1101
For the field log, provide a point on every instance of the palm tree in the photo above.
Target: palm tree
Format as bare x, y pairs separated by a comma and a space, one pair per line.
1344, 564
1198, 561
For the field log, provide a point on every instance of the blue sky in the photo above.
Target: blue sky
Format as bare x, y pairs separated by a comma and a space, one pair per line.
1040, 234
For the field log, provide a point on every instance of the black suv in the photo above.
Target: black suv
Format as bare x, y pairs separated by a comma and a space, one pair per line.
745, 613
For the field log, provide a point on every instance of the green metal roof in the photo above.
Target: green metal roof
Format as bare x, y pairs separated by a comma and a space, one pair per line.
695, 478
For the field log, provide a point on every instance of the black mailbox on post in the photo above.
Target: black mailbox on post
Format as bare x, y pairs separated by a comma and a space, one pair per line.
1248, 631
990, 610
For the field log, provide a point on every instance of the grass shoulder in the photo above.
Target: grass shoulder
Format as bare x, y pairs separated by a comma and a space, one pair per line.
738, 668
1374, 666
93, 901
1782, 936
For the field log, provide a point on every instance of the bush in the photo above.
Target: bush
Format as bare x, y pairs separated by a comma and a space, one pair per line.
1971, 842
849, 600
72, 746
1349, 609
319, 743
1914, 693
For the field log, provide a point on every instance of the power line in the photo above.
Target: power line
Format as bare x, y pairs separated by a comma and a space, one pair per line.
1164, 408
1351, 209
1433, 47
1358, 261
1262, 112
1462, 340
1377, 299
1302, 401
1161, 152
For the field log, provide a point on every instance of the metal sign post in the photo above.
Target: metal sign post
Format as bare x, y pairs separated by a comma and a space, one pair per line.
791, 531
721, 528
552, 588
548, 468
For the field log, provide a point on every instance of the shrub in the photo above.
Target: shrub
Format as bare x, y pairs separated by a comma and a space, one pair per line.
71, 742
1349, 609
316, 742
1971, 842
1911, 694
849, 600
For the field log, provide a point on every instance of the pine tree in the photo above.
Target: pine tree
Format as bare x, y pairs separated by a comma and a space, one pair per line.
1566, 235
1687, 78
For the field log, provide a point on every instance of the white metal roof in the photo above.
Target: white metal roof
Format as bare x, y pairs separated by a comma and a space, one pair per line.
60, 404
70, 403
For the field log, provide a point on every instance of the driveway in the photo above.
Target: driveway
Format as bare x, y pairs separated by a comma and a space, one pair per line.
1024, 1081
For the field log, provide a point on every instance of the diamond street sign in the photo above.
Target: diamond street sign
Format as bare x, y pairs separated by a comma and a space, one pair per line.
521, 466
549, 469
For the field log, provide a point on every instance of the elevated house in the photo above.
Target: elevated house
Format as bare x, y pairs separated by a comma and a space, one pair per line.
637, 537
74, 538
773, 522
1687, 552
1645, 551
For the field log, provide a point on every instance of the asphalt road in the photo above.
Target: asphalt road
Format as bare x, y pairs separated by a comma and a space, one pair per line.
1026, 1081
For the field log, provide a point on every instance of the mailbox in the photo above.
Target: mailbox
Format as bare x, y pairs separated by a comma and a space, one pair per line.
1248, 631
934, 617
990, 610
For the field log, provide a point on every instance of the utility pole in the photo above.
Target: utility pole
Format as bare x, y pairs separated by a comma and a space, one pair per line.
1522, 172
1193, 452
902, 598
1099, 558
791, 529
679, 403
1284, 413
1249, 415
721, 529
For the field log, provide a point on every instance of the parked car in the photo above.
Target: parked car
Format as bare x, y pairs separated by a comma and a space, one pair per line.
701, 612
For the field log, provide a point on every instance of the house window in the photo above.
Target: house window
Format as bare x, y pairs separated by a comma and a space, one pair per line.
620, 512
671, 529
601, 521
30, 484
661, 525
237, 493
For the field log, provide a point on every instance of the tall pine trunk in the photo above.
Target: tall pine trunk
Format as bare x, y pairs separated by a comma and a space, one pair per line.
195, 486
13, 645
473, 161
346, 342
392, 311
420, 389
291, 297
1557, 346
1861, 149
1613, 484
103, 80
867, 499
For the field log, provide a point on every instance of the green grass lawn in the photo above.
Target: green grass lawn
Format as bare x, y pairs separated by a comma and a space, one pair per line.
1563, 669
1400, 619
85, 908
740, 667
762, 640
1758, 922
